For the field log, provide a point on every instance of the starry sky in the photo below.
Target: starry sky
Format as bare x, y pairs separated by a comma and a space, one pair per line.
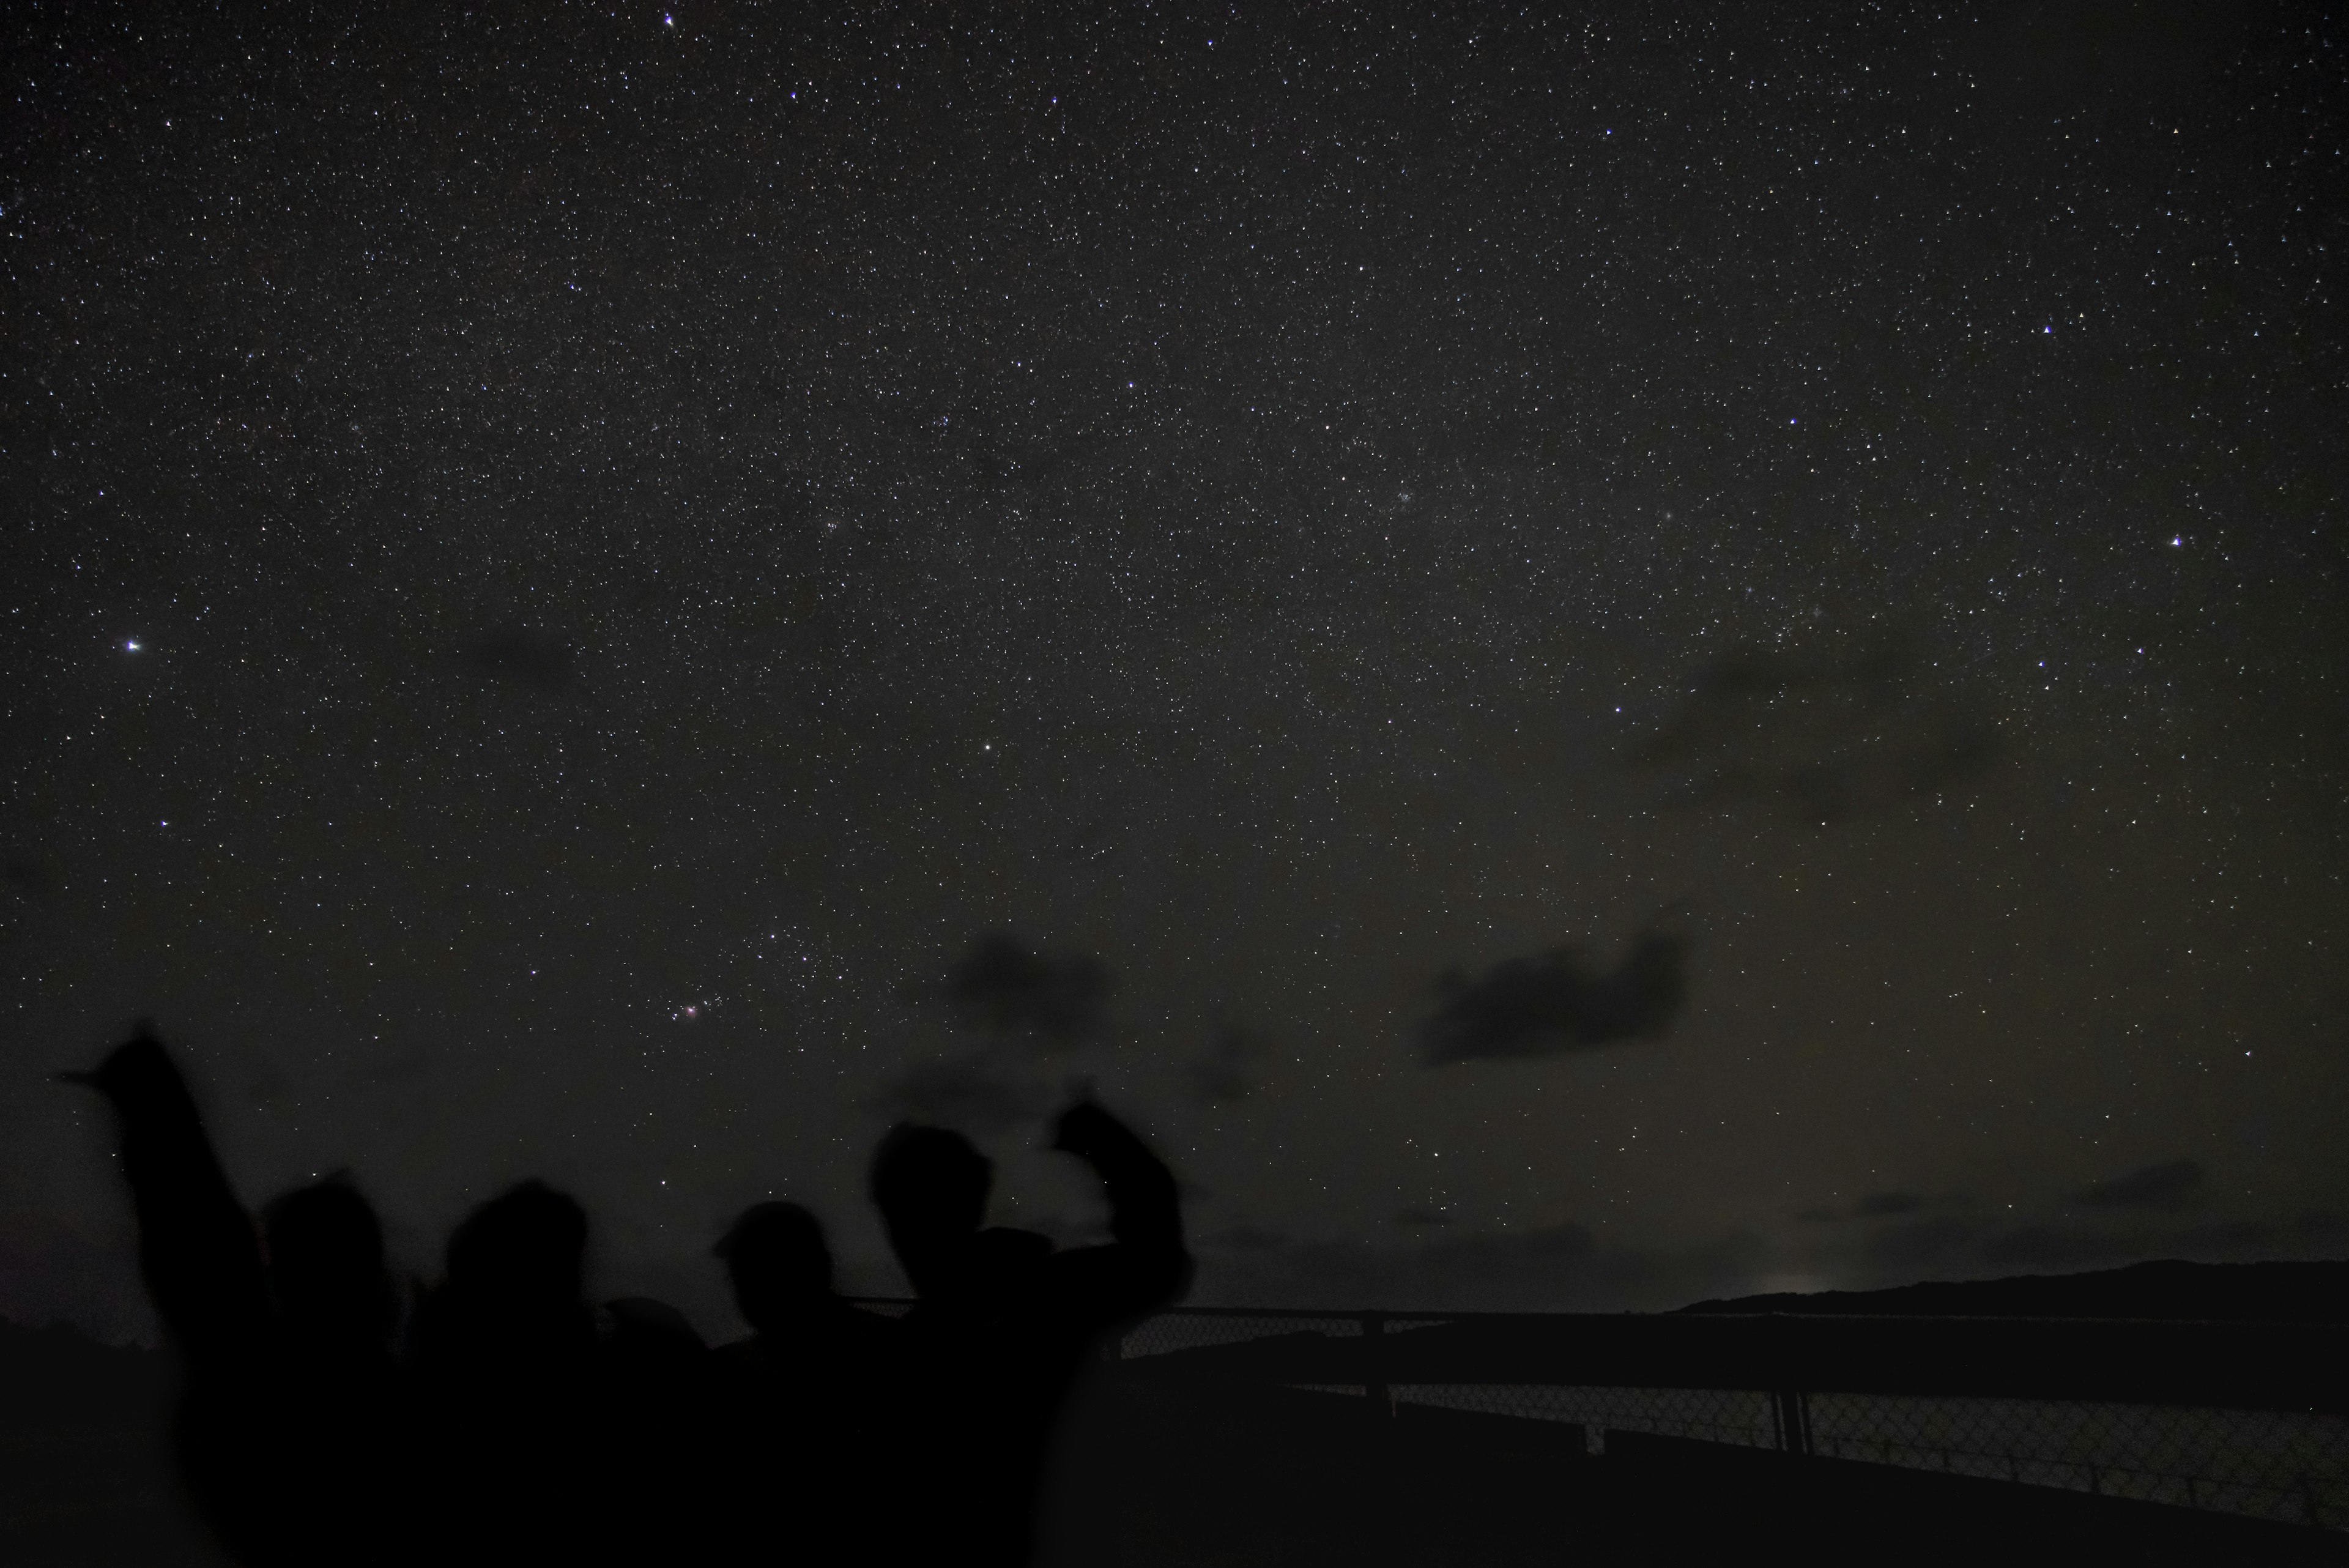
1587, 655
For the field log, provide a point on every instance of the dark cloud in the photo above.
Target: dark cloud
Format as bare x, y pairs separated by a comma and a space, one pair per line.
27, 875
2231, 1238
1002, 987
2171, 1185
1247, 1239
401, 1066
1555, 1268
266, 1081
1555, 1002
2051, 1247
1822, 732
1879, 1205
977, 1092
2062, 1248
1568, 1268
1419, 1219
523, 658
2080, 56
1917, 1244
1225, 1073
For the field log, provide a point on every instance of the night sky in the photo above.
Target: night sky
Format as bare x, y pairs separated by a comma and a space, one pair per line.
1587, 658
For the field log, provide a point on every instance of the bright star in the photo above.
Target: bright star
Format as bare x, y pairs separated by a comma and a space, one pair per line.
130, 647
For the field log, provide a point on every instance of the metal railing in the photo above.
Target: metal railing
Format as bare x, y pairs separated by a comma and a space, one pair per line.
2245, 1419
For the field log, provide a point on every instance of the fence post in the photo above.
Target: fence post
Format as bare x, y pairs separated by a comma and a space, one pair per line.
1376, 1392
1794, 1413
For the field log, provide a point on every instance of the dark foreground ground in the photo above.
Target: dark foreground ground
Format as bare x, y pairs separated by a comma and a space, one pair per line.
1160, 1470
1159, 1474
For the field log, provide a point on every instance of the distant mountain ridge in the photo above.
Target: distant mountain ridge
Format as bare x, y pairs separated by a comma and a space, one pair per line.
2173, 1290
86, 1473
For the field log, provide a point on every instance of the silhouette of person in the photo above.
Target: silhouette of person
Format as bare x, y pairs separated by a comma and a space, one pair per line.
326, 1273
1004, 1321
507, 1360
290, 1425
341, 1421
655, 1449
809, 1398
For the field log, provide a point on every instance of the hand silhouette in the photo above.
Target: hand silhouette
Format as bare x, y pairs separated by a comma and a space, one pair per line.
1092, 1133
135, 1072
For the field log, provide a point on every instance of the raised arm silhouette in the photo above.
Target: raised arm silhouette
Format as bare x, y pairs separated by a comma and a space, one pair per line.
290, 1430
1004, 1321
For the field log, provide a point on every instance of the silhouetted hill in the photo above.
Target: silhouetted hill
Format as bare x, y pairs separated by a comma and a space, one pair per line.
60, 1375
2216, 1292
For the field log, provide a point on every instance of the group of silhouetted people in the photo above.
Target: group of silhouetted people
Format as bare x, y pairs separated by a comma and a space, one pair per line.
508, 1421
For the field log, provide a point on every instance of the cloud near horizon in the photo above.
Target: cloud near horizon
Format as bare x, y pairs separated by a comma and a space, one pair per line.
977, 1092
2169, 1185
1005, 988
1831, 729
1224, 1074
1550, 1003
1569, 1267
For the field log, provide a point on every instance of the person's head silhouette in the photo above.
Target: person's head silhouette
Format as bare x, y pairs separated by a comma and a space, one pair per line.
931, 1187
326, 1266
521, 1257
781, 1270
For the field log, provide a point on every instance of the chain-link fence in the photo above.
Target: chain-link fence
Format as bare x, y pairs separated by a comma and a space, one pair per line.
2272, 1464
1708, 1415
2283, 1465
